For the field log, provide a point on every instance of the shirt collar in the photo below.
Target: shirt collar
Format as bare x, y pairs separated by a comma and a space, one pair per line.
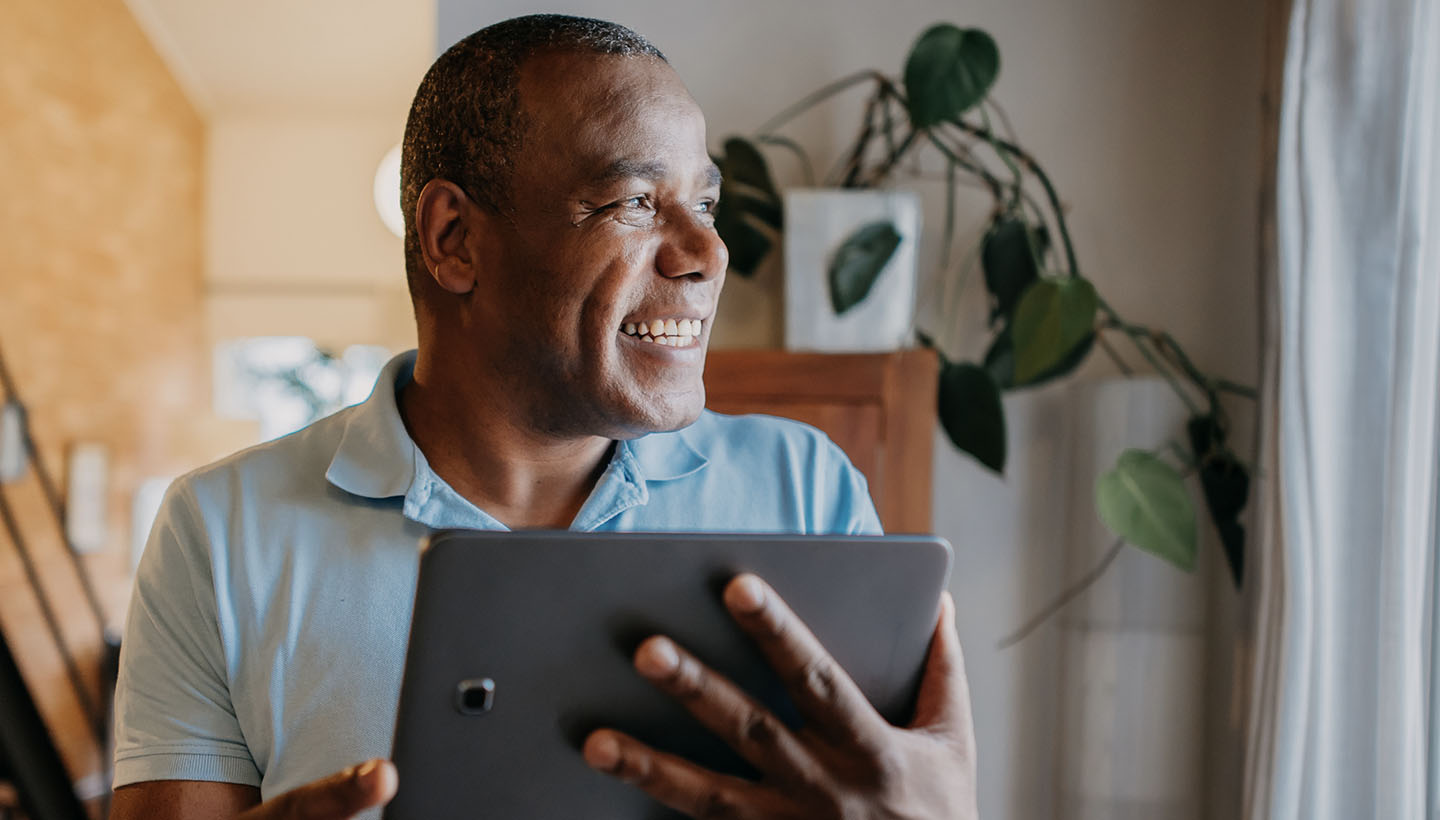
376, 458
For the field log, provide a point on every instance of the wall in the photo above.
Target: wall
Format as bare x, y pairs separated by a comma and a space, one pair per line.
100, 295
1146, 115
294, 245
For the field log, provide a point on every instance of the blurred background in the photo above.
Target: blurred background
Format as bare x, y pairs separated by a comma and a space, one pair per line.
194, 262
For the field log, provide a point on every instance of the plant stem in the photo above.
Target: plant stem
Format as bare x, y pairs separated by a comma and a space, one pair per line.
1139, 342
818, 96
1034, 168
1125, 369
1065, 597
996, 186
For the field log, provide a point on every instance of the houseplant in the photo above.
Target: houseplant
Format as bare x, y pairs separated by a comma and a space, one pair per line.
1045, 316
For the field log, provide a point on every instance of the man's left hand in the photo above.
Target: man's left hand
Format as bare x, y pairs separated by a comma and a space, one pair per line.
846, 762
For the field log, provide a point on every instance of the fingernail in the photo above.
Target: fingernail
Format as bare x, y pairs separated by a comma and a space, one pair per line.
657, 658
602, 752
746, 594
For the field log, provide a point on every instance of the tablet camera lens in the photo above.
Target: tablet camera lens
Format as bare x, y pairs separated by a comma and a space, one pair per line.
475, 696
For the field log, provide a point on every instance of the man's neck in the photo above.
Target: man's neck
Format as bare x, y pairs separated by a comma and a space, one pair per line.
523, 478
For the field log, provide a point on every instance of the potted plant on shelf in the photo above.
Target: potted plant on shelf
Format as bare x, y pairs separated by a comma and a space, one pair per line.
1045, 316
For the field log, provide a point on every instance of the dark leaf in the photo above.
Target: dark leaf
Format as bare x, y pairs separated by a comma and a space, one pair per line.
745, 165
1000, 361
949, 70
858, 261
747, 244
971, 413
1226, 483
748, 200
1144, 501
1011, 256
1053, 316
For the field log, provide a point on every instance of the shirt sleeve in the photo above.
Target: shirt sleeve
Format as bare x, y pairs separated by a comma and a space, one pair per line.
852, 511
174, 719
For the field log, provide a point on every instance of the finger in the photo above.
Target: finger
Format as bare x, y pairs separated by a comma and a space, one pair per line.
677, 783
832, 704
943, 704
723, 708
337, 797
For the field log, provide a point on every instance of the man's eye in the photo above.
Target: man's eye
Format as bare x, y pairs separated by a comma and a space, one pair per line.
706, 206
635, 202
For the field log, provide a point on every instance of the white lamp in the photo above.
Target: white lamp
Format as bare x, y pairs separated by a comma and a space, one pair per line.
387, 192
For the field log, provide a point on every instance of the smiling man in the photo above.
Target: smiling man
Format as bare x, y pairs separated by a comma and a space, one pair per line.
565, 270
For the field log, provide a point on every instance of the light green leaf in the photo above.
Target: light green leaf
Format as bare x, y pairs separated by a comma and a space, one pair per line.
949, 70
971, 413
1053, 316
858, 261
1144, 501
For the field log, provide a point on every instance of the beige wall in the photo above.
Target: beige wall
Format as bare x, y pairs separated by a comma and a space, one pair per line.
294, 244
100, 292
293, 239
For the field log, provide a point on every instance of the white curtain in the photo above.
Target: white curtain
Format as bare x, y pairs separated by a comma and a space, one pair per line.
1344, 721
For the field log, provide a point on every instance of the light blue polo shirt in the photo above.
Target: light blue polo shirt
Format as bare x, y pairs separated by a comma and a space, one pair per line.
266, 637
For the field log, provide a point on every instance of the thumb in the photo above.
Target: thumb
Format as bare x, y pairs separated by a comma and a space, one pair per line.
337, 797
943, 703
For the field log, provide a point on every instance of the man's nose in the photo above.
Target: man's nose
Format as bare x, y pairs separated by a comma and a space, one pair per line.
692, 248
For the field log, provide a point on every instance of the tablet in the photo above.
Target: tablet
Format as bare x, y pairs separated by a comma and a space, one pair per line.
521, 644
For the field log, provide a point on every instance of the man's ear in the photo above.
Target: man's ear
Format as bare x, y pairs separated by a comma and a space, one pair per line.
445, 220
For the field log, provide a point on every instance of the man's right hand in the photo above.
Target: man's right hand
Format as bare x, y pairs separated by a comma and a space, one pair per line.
338, 797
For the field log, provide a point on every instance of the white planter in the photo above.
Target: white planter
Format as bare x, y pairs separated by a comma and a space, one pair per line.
817, 221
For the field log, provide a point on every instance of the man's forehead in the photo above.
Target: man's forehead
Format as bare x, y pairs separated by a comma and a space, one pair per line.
614, 117
550, 80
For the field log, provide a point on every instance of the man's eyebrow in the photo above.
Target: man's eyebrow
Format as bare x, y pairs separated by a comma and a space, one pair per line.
648, 170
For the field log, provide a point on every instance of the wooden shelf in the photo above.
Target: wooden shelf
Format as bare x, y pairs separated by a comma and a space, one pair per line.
879, 407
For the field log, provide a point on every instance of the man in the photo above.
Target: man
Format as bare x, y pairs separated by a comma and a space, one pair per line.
565, 270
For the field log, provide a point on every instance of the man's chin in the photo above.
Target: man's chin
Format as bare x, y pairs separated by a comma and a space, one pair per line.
664, 418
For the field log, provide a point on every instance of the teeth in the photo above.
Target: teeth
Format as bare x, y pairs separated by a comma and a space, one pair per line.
670, 332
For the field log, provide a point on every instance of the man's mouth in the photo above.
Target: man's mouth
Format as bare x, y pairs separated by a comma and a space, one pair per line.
670, 332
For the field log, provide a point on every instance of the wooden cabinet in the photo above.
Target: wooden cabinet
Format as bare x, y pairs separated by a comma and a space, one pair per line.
879, 407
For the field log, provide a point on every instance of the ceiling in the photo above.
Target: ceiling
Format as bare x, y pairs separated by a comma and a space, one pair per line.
262, 56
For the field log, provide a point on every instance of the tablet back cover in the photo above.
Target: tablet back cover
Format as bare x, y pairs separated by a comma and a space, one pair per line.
552, 619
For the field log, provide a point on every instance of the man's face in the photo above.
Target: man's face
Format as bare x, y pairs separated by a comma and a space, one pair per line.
608, 269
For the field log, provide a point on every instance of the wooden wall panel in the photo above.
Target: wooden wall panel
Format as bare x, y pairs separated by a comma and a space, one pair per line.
100, 285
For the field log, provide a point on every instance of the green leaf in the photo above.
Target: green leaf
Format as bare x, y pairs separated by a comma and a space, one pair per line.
1000, 361
1144, 501
971, 413
1009, 258
1226, 483
1052, 317
858, 261
949, 70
